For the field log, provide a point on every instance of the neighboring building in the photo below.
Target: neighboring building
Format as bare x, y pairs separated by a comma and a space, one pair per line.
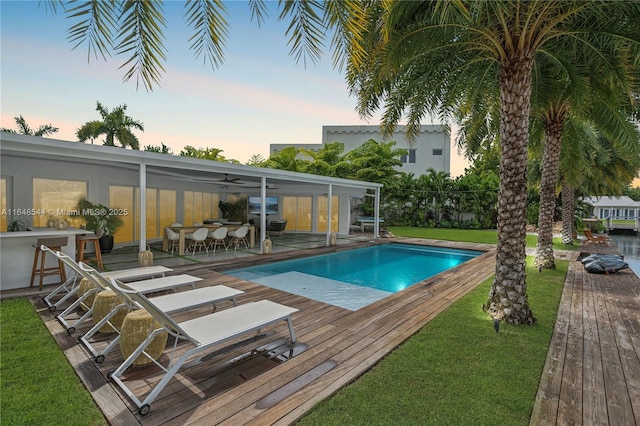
617, 212
430, 149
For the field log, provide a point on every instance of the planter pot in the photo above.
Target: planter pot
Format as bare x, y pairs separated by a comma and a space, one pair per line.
106, 244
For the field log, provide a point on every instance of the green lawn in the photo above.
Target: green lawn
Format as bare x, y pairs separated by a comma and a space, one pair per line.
37, 383
455, 371
485, 236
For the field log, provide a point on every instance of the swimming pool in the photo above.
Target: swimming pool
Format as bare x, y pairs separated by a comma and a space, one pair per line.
355, 278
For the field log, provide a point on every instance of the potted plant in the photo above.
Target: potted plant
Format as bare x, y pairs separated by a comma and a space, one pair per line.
101, 220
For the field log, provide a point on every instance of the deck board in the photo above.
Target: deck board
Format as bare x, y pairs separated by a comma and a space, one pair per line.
591, 375
220, 392
592, 372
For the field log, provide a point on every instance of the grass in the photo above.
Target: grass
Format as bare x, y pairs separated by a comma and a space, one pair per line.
483, 236
457, 370
37, 383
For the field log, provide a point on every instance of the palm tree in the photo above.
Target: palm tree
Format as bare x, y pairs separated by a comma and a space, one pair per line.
25, 129
595, 91
114, 125
591, 164
287, 159
135, 29
429, 56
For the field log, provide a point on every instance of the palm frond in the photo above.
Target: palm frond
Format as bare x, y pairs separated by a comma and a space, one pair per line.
95, 27
207, 20
258, 11
141, 37
306, 29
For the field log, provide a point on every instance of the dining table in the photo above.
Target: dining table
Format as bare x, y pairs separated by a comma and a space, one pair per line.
184, 230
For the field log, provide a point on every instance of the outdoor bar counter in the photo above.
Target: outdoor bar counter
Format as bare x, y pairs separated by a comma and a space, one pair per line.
17, 251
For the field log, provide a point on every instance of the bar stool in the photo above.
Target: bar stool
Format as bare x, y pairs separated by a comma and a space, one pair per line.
81, 242
54, 243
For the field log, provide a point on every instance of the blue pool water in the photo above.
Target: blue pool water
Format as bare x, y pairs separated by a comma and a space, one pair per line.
355, 278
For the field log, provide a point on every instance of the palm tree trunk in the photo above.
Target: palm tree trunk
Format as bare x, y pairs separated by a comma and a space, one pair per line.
550, 160
568, 209
508, 298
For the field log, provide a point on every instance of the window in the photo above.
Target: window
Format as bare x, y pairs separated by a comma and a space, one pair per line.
297, 211
121, 197
410, 158
323, 206
3, 204
200, 206
437, 151
57, 198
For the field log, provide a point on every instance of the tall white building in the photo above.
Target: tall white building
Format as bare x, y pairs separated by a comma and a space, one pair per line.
430, 149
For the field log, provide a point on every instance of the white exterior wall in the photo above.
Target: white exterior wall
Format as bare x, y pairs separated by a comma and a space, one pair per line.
21, 172
431, 137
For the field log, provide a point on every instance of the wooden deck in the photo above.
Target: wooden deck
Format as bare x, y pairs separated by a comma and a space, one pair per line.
592, 371
237, 387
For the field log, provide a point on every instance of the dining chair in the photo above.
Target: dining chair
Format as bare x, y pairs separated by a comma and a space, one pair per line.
197, 238
239, 236
219, 237
173, 237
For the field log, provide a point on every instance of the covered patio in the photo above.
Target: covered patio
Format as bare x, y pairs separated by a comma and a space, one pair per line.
42, 178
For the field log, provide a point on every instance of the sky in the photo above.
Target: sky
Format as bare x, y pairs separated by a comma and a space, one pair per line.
259, 96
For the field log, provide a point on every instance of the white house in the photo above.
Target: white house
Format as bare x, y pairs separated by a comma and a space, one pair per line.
617, 212
430, 149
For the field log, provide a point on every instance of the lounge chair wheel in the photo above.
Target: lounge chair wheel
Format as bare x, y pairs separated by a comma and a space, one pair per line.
110, 374
71, 330
52, 308
100, 359
144, 410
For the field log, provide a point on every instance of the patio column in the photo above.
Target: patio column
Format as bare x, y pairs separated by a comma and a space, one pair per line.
263, 211
143, 207
376, 215
329, 196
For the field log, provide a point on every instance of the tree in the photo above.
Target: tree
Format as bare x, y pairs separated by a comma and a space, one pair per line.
429, 56
135, 29
214, 154
162, 148
115, 125
371, 162
255, 160
287, 159
325, 160
25, 129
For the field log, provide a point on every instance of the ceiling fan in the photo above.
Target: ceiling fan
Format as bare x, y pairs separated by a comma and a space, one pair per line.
227, 180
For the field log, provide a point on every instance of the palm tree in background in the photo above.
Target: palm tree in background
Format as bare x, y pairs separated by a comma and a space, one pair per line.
588, 95
591, 164
426, 57
115, 125
25, 129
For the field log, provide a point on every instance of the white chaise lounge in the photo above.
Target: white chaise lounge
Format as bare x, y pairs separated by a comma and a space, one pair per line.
68, 317
69, 288
169, 303
202, 333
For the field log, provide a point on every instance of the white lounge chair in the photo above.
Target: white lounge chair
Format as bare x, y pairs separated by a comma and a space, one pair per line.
170, 303
202, 333
144, 286
69, 288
